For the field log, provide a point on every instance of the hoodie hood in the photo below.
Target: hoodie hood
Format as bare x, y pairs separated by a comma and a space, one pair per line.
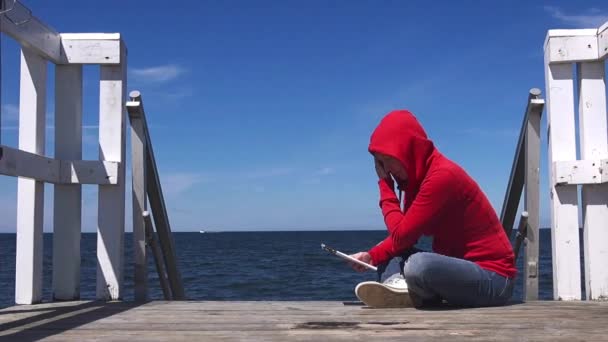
401, 136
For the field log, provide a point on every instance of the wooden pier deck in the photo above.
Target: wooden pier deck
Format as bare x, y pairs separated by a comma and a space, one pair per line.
299, 321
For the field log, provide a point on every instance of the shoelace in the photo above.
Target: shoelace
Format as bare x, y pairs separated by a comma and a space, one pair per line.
396, 281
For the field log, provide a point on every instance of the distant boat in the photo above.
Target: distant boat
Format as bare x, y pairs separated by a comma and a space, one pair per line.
201, 231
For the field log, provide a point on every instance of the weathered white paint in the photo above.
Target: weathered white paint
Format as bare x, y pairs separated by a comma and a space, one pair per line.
18, 163
111, 211
30, 193
532, 202
90, 172
91, 36
568, 33
564, 199
594, 145
602, 41
138, 167
33, 35
572, 49
86, 48
579, 172
67, 198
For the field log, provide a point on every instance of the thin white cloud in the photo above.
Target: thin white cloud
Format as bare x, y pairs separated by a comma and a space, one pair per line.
10, 112
89, 138
317, 176
326, 171
158, 74
178, 182
179, 94
590, 18
312, 181
272, 172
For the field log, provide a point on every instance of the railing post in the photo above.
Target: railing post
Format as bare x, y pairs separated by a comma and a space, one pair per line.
531, 202
138, 166
67, 202
111, 202
30, 193
593, 130
564, 199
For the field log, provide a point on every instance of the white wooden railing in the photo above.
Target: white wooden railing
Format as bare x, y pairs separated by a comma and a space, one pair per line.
587, 50
68, 52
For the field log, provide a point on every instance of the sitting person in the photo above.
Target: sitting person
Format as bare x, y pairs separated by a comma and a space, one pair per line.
472, 263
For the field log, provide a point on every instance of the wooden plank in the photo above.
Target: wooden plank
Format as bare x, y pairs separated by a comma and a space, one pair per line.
564, 199
161, 221
517, 177
579, 172
573, 49
594, 145
301, 321
30, 193
158, 257
31, 33
567, 46
157, 204
521, 234
602, 41
90, 172
17, 163
532, 203
111, 202
67, 198
87, 48
140, 205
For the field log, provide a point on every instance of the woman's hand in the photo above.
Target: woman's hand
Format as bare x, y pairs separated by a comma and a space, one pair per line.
362, 256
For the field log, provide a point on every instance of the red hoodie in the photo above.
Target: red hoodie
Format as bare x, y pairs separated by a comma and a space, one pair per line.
441, 200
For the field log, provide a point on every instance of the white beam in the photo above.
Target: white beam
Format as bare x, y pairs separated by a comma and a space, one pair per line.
568, 33
580, 172
594, 144
111, 211
17, 163
564, 199
30, 193
32, 34
138, 166
602, 41
90, 172
91, 48
67, 198
532, 202
572, 48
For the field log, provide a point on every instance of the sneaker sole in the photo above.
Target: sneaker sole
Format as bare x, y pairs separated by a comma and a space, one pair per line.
378, 295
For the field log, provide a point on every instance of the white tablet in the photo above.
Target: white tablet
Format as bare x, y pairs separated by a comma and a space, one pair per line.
347, 257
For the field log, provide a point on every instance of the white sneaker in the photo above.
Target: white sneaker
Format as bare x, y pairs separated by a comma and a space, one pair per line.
392, 293
396, 281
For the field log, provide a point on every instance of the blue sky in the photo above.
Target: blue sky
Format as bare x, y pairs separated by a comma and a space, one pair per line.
261, 112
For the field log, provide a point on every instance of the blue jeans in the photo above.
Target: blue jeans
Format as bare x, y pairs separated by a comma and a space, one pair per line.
434, 277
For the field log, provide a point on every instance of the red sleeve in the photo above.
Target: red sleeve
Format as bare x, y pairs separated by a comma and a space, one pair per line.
405, 229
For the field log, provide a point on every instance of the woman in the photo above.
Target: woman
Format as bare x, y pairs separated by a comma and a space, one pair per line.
472, 263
